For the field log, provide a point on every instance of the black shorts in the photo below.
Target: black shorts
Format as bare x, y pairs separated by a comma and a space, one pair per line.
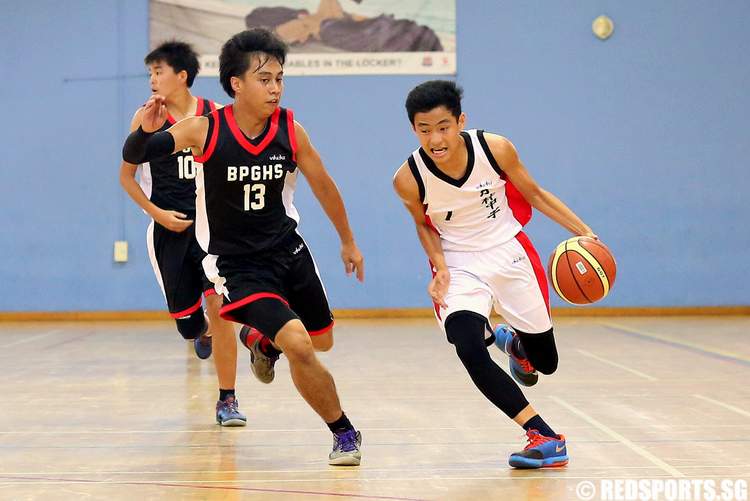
268, 290
176, 259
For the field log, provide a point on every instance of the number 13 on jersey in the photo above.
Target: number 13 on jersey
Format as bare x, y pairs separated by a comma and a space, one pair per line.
255, 196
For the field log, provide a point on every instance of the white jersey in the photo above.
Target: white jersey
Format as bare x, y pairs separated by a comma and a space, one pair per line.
479, 211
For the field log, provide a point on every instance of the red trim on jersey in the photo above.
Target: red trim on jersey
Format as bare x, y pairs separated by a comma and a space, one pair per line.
292, 133
428, 220
520, 208
209, 292
536, 264
240, 137
322, 331
212, 142
211, 105
224, 311
171, 119
187, 311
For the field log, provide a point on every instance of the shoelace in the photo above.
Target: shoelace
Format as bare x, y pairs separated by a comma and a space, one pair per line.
525, 364
536, 439
346, 441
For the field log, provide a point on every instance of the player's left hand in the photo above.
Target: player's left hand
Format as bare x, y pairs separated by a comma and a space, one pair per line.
438, 287
154, 114
353, 260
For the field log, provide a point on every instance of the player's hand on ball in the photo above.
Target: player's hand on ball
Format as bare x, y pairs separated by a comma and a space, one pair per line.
353, 260
439, 287
173, 220
154, 114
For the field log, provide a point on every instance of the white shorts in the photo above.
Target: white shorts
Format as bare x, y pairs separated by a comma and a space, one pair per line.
509, 277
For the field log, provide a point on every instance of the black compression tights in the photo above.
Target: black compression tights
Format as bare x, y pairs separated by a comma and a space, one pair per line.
465, 331
540, 350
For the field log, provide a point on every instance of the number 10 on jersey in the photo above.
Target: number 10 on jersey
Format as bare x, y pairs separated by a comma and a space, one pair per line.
255, 196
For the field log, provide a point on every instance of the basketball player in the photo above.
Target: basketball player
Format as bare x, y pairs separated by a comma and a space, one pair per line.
250, 153
470, 196
169, 199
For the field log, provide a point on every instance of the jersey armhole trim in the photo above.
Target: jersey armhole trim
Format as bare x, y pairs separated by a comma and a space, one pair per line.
292, 134
213, 134
417, 177
488, 153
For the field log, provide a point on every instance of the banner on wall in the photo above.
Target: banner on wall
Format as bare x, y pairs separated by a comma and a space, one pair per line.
325, 37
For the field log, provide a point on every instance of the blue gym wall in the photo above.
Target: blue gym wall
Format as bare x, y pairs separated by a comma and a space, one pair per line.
645, 136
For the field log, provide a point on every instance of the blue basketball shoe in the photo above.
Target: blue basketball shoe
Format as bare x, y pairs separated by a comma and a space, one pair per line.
541, 452
228, 412
520, 367
202, 345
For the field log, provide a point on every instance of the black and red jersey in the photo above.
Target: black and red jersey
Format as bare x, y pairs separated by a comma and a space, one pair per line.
169, 182
245, 186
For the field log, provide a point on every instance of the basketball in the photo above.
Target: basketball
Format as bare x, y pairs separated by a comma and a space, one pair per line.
582, 270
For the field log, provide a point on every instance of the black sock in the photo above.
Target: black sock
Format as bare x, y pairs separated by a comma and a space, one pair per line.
538, 424
341, 424
223, 394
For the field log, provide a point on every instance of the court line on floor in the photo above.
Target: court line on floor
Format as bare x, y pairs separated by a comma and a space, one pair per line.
722, 404
358, 471
612, 433
30, 339
194, 484
316, 430
686, 345
615, 364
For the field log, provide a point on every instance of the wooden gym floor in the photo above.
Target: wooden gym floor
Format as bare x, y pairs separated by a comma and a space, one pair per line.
125, 411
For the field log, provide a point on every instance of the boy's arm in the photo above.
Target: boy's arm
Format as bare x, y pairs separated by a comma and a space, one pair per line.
325, 190
172, 220
548, 204
144, 143
407, 189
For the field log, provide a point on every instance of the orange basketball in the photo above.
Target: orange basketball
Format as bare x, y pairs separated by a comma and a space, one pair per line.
582, 270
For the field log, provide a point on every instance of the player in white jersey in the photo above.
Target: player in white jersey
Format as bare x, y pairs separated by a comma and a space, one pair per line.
470, 196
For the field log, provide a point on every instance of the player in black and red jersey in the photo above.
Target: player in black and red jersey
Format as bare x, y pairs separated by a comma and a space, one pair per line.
167, 194
251, 152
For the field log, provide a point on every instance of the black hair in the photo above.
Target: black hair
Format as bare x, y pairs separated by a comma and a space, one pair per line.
179, 55
235, 54
432, 94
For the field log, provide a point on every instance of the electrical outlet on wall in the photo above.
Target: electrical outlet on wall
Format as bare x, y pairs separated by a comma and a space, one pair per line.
121, 251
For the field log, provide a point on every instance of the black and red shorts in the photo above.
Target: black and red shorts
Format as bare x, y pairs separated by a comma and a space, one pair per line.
177, 262
268, 290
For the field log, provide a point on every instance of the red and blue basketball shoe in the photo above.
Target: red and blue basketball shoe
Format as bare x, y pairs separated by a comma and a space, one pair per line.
520, 367
541, 452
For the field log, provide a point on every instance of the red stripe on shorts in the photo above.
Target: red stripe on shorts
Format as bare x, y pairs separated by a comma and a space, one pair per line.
187, 311
249, 299
536, 264
322, 331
